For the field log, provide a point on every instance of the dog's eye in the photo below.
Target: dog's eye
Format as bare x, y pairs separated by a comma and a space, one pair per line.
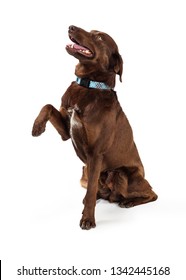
99, 38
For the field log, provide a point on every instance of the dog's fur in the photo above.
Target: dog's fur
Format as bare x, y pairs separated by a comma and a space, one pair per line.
99, 130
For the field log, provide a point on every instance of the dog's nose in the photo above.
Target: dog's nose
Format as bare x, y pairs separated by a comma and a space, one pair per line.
72, 28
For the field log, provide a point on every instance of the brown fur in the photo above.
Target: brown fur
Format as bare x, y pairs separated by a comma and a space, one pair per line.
100, 132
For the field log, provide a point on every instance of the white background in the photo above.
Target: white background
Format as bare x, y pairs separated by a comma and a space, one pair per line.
40, 194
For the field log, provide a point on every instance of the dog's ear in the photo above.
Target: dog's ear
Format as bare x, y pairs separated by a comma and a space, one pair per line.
118, 65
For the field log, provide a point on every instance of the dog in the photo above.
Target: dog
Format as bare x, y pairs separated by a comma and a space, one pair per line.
91, 115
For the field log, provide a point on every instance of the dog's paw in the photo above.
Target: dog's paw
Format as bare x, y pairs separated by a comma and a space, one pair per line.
125, 204
87, 224
38, 128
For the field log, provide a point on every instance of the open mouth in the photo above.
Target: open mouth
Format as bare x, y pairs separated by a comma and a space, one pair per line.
77, 48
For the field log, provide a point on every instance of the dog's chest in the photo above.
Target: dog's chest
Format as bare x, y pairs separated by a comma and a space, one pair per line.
76, 127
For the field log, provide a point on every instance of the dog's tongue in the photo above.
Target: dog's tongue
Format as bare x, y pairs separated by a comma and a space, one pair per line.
78, 47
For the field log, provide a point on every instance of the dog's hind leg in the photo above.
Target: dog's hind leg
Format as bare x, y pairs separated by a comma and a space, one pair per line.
129, 188
138, 192
144, 191
59, 119
84, 177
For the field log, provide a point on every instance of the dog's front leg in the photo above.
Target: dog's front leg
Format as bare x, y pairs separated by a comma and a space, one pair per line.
94, 168
59, 120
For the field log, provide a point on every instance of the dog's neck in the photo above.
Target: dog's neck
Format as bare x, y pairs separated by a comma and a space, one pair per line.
85, 82
100, 74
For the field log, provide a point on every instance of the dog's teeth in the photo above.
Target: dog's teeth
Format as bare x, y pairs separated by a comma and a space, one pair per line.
85, 51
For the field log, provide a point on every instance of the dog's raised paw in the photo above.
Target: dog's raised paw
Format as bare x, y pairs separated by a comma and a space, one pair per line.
38, 128
87, 224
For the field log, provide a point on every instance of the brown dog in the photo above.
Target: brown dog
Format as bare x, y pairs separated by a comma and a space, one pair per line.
92, 117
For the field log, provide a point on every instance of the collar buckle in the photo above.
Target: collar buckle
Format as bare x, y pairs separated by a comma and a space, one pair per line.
92, 84
83, 82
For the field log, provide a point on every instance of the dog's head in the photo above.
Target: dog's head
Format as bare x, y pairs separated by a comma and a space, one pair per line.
98, 55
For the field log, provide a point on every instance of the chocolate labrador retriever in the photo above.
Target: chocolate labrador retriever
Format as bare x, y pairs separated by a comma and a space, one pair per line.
92, 117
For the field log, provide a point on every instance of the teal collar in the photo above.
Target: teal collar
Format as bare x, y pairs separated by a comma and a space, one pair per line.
91, 84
